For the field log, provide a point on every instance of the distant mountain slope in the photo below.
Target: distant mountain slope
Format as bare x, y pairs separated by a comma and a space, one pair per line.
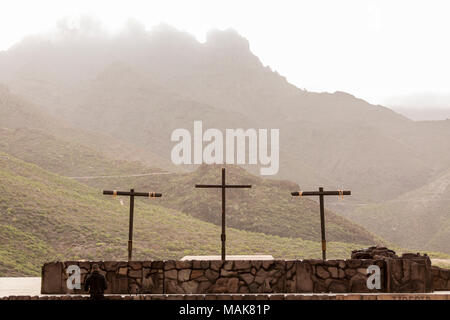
267, 207
19, 113
45, 217
139, 87
419, 218
67, 158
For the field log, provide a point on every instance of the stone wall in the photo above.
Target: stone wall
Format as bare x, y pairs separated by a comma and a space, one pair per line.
121, 276
441, 279
270, 276
337, 276
409, 274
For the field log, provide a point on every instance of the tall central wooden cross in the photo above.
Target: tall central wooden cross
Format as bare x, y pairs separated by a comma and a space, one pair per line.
223, 186
131, 194
321, 194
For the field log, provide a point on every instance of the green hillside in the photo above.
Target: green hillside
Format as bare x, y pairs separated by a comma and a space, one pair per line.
68, 158
29, 130
46, 217
267, 207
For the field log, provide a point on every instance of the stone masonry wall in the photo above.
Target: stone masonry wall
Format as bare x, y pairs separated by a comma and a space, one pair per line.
337, 276
441, 279
409, 274
244, 276
199, 277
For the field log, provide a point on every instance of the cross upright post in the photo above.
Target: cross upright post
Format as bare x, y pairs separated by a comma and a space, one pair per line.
131, 194
321, 195
223, 186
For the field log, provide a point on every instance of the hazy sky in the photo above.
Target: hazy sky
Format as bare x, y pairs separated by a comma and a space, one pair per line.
372, 49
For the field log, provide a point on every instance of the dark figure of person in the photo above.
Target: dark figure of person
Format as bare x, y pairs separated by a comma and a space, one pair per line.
96, 284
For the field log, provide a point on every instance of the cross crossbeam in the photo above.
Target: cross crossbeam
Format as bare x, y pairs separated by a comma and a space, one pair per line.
223, 186
321, 193
131, 194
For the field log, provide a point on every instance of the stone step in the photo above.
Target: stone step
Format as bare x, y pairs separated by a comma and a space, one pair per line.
369, 296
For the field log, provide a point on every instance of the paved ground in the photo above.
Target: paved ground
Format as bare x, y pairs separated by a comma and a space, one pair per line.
16, 286
20, 286
444, 263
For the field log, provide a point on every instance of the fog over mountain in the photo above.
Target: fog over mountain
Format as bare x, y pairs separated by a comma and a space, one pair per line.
138, 86
425, 106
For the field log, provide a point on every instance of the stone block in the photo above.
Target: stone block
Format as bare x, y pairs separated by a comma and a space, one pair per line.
228, 265
331, 263
321, 272
52, 277
336, 286
211, 275
110, 266
353, 263
350, 272
267, 264
169, 265
363, 271
85, 265
135, 273
303, 280
259, 280
233, 285
190, 286
122, 285
216, 265
122, 271
333, 271
135, 265
226, 273
152, 283
172, 287
197, 273
183, 264
203, 286
171, 274
157, 265
242, 265
358, 283
247, 277
184, 274
319, 286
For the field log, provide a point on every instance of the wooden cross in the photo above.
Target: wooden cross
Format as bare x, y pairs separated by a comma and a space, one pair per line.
321, 194
131, 194
223, 186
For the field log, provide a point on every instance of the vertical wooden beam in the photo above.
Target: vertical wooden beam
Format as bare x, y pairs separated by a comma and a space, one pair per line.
322, 224
130, 231
223, 235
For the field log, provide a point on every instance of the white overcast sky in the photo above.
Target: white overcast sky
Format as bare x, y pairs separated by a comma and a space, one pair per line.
372, 49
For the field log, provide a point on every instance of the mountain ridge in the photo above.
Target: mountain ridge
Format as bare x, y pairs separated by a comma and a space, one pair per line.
332, 140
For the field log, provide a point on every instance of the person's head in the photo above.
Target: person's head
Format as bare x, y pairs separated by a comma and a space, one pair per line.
95, 267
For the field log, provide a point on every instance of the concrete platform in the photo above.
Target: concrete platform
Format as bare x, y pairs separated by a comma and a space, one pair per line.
444, 296
215, 258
